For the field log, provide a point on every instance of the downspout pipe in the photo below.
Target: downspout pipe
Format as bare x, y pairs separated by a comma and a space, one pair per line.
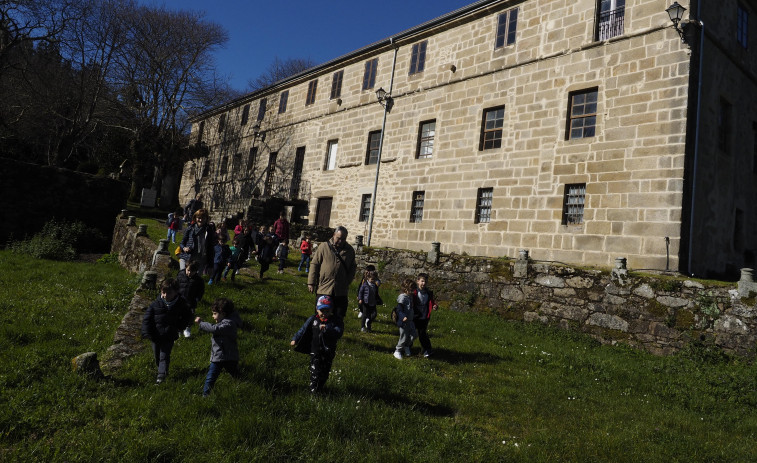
387, 106
696, 140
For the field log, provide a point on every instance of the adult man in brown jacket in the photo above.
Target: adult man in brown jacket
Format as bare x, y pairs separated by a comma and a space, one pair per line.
332, 269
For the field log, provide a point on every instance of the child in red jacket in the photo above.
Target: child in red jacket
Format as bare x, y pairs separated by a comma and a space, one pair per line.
306, 249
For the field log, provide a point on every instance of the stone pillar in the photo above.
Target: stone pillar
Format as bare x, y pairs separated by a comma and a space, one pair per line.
142, 230
358, 243
149, 280
131, 221
747, 286
162, 247
124, 214
520, 269
620, 272
433, 255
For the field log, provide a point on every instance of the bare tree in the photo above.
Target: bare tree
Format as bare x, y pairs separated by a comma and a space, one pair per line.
279, 70
165, 72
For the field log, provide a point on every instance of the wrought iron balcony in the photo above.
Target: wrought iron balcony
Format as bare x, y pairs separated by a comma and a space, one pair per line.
610, 23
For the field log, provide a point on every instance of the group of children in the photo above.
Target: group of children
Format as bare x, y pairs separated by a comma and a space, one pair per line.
319, 334
174, 312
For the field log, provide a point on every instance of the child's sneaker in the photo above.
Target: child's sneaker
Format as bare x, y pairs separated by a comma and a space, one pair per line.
407, 352
210, 282
360, 315
427, 353
363, 330
187, 333
397, 355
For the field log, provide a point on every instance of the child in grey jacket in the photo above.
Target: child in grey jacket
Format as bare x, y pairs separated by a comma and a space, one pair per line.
405, 319
224, 353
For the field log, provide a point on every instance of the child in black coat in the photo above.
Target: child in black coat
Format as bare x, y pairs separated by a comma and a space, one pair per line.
161, 324
318, 337
191, 288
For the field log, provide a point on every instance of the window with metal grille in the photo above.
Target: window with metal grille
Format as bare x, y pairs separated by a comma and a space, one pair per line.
299, 160
221, 123
369, 77
416, 208
331, 150
336, 84
582, 114
742, 26
418, 57
365, 208
312, 85
262, 108
426, 134
507, 23
573, 204
268, 187
484, 205
245, 114
610, 19
491, 128
283, 101
372, 153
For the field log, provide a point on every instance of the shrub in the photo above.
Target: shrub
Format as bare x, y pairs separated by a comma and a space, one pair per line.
61, 240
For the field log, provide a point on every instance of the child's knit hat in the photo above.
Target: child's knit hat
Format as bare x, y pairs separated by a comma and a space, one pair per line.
324, 303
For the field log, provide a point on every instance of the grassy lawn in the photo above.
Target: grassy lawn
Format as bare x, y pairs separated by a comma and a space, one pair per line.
495, 391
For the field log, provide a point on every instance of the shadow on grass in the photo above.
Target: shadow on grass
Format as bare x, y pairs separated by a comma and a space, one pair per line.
403, 402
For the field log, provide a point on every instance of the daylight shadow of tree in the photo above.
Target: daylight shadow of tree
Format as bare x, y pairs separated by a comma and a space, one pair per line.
443, 355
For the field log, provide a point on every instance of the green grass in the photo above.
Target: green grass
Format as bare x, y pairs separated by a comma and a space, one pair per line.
495, 391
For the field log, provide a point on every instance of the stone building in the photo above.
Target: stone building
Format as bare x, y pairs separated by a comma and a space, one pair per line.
581, 130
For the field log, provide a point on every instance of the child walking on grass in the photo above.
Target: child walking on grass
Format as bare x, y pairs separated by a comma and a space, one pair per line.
367, 298
282, 252
191, 288
318, 337
224, 353
423, 303
306, 249
234, 260
405, 319
163, 319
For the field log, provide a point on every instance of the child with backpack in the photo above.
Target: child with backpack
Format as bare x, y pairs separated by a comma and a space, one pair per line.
424, 303
306, 249
174, 224
405, 319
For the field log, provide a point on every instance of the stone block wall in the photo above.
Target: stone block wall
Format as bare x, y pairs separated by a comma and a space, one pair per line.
633, 166
659, 314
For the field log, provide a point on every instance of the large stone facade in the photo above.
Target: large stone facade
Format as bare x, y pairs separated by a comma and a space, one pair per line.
643, 198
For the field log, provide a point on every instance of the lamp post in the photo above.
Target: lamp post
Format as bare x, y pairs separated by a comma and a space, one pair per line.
385, 99
675, 13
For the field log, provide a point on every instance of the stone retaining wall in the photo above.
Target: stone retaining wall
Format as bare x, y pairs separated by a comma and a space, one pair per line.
139, 254
657, 313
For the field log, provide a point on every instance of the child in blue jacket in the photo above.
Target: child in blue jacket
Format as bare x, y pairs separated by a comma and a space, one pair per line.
405, 319
318, 337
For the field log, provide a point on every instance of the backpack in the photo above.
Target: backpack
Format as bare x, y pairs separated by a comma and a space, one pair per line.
169, 219
395, 315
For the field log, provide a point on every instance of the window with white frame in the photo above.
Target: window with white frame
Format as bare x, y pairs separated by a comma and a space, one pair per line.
582, 114
610, 18
331, 150
426, 134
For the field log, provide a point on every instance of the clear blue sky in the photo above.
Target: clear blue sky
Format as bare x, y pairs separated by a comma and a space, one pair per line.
321, 30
